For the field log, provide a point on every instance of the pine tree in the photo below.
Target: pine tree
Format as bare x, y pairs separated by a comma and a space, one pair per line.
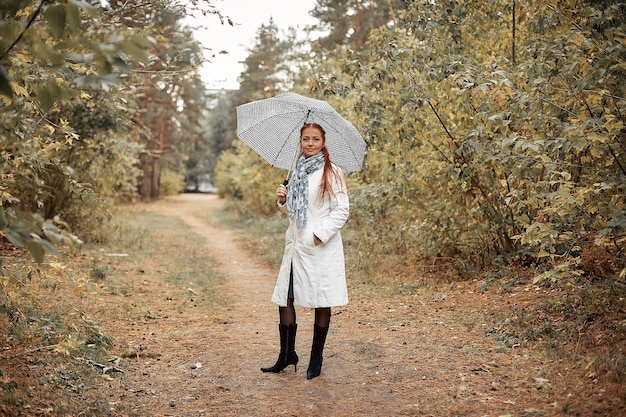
349, 22
266, 71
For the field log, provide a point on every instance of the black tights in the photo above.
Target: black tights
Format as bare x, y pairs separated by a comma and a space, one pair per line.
288, 315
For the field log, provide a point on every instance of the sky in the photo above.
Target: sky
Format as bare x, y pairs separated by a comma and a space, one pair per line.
247, 15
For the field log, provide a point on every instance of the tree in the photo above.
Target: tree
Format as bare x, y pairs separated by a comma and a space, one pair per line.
217, 133
477, 155
71, 129
270, 68
169, 87
349, 22
52, 55
266, 71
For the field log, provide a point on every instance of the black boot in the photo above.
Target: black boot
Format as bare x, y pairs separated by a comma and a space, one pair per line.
317, 348
287, 354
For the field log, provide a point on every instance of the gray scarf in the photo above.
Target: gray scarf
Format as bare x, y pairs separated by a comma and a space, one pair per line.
298, 191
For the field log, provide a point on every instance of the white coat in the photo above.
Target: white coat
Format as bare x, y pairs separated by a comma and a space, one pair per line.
319, 274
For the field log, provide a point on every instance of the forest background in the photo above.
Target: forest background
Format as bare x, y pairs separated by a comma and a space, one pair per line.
495, 129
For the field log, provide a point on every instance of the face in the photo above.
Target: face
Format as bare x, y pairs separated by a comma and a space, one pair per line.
311, 141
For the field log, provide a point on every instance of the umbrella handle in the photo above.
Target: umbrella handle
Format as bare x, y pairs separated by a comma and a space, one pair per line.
285, 182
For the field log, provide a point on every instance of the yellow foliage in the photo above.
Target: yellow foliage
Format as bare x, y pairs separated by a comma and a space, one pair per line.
68, 345
19, 90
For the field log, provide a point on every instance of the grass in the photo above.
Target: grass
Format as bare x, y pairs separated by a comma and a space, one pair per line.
187, 265
580, 316
49, 313
265, 236
46, 308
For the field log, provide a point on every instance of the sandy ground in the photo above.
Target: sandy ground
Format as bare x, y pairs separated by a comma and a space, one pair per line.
422, 353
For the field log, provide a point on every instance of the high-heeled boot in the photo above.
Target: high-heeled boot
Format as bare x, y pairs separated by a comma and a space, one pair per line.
317, 348
288, 355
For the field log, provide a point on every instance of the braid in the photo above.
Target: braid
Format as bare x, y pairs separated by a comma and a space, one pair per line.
327, 176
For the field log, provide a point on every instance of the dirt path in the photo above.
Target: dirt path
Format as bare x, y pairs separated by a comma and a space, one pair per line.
419, 354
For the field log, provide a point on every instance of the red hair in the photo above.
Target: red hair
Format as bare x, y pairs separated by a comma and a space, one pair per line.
329, 173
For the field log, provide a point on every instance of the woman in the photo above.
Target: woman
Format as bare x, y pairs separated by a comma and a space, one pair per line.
312, 273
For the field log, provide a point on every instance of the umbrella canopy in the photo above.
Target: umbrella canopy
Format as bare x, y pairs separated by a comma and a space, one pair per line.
271, 127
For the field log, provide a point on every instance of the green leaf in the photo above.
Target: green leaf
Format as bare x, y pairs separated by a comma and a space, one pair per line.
72, 17
24, 231
19, 235
142, 41
5, 85
49, 95
86, 7
55, 16
134, 50
45, 99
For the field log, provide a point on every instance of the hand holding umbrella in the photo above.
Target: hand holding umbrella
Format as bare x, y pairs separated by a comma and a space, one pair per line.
281, 192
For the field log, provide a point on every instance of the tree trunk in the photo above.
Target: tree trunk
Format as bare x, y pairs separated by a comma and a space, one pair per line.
154, 185
143, 182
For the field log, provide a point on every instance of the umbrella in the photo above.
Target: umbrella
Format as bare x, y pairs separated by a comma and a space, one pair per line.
271, 127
